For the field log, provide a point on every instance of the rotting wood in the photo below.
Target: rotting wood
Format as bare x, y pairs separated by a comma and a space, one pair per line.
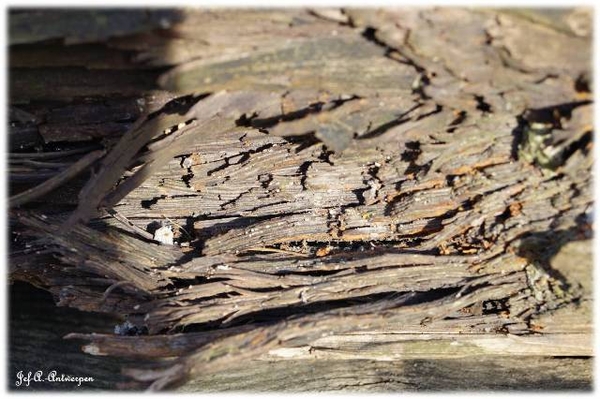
368, 171
55, 181
485, 373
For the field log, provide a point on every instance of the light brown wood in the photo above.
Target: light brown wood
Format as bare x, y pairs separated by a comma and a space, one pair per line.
354, 184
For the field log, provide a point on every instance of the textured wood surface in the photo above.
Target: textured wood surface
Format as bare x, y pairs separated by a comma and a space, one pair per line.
36, 342
384, 185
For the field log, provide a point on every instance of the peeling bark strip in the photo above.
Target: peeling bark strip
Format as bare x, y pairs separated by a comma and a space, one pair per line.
56, 181
334, 179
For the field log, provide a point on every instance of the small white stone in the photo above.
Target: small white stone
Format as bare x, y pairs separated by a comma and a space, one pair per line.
187, 162
164, 235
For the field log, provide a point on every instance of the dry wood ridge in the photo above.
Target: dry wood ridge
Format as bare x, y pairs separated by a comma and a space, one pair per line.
387, 173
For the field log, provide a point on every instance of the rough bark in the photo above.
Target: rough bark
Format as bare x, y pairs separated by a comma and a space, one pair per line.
326, 173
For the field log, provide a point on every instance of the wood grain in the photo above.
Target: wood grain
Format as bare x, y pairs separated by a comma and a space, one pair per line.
355, 184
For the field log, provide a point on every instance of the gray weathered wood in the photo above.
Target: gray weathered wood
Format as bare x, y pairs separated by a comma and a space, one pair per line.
358, 184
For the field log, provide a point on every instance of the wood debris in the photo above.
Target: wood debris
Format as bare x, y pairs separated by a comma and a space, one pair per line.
323, 173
